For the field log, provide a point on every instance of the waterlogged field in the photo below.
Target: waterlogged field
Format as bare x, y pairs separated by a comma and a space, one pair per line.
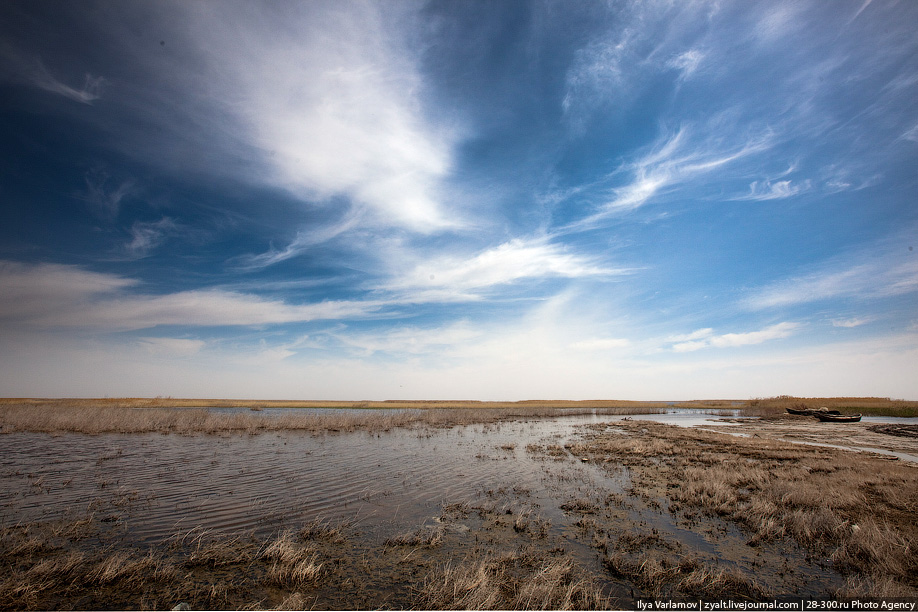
522, 511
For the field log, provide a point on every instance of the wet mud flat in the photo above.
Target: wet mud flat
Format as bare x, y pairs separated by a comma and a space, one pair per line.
580, 512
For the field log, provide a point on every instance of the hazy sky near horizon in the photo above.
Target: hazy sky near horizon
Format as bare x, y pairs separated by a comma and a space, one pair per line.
469, 200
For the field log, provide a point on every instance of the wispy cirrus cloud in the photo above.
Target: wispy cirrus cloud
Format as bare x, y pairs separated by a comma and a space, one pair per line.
22, 67
87, 94
675, 160
105, 193
455, 277
305, 239
884, 268
775, 190
147, 236
852, 322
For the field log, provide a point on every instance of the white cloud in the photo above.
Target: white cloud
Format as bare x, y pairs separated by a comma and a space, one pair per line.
706, 339
507, 263
776, 190
410, 340
333, 97
304, 240
172, 347
911, 134
52, 296
881, 274
87, 94
23, 68
601, 344
695, 335
145, 237
674, 160
853, 322
687, 62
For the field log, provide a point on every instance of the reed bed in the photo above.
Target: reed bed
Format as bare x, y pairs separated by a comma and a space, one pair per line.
101, 418
871, 406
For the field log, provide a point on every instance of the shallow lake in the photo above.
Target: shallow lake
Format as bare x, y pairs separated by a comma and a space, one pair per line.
159, 484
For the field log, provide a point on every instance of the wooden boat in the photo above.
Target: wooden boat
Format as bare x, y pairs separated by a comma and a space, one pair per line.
837, 418
811, 411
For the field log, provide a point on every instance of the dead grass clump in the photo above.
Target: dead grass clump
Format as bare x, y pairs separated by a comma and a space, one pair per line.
319, 530
707, 581
875, 586
293, 565
428, 537
662, 575
535, 526
456, 510
511, 582
580, 505
20, 591
60, 569
210, 551
877, 546
650, 571
127, 568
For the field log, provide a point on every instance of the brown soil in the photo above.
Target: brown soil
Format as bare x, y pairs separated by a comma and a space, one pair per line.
902, 431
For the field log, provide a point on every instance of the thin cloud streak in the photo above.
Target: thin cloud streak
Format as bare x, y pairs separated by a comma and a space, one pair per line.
703, 339
674, 160
880, 277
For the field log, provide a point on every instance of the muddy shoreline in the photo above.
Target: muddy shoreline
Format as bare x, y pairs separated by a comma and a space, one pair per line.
526, 513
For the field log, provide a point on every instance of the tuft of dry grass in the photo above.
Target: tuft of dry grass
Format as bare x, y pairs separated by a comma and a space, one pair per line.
204, 548
428, 537
293, 564
511, 582
130, 569
323, 530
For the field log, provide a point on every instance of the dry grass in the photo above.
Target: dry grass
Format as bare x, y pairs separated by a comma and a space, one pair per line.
856, 510
134, 416
205, 548
293, 564
511, 582
324, 530
130, 569
428, 537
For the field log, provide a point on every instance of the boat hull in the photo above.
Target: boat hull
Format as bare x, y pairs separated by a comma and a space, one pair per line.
838, 418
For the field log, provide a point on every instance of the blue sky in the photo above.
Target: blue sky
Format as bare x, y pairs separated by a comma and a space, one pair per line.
469, 200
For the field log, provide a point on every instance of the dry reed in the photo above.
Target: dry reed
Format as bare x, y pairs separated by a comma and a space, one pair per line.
511, 582
101, 418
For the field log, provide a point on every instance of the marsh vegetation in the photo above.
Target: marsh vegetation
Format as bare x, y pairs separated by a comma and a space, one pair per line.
499, 507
